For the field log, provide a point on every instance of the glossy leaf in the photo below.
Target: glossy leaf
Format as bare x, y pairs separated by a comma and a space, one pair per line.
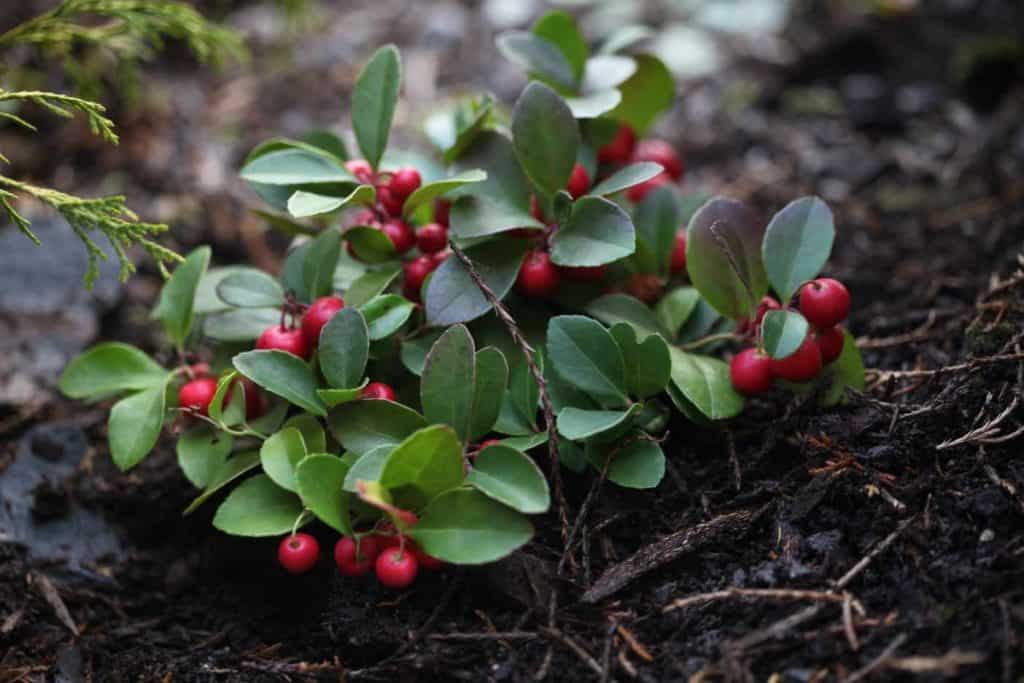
538, 56
284, 375
675, 308
311, 430
640, 464
593, 105
449, 377
229, 471
344, 348
797, 242
452, 296
526, 443
579, 425
490, 380
426, 464
373, 102
303, 204
250, 288
622, 308
320, 477
361, 426
783, 332
705, 383
110, 368
559, 28
474, 216
646, 94
545, 136
627, 177
240, 325
607, 71
202, 451
506, 182
370, 284
370, 244
367, 467
291, 166
586, 355
847, 371
225, 384
258, 507
319, 264
279, 455
512, 478
430, 191
414, 351
175, 306
658, 217
464, 526
647, 360
598, 232
386, 314
335, 397
328, 142
134, 426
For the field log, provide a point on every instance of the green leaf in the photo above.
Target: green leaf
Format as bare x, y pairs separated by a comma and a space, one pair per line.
240, 325
426, 464
386, 314
272, 419
704, 382
370, 284
580, 425
506, 183
344, 348
230, 470
627, 177
108, 369
526, 443
284, 375
177, 298
464, 526
335, 397
648, 363
202, 451
370, 244
283, 224
449, 376
311, 430
328, 142
622, 308
481, 216
319, 263
598, 232
675, 309
559, 28
593, 105
294, 167
646, 94
541, 58
367, 467
428, 192
723, 257
206, 299
134, 426
233, 407
622, 37
414, 351
452, 296
250, 288
488, 391
586, 355
783, 332
279, 455
658, 217
847, 371
512, 478
545, 136
226, 383
639, 464
320, 477
303, 204
373, 102
523, 389
258, 507
797, 243
361, 426
293, 275
607, 71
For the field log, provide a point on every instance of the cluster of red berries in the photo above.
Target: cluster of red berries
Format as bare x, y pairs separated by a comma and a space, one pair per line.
825, 303
395, 559
624, 149
393, 189
299, 340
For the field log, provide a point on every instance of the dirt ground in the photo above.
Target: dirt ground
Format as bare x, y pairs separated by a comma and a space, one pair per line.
881, 540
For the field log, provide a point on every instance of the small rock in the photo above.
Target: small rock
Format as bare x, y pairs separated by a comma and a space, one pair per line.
987, 536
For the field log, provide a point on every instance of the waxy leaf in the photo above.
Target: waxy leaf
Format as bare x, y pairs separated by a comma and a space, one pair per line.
580, 425
488, 391
797, 243
464, 526
370, 284
227, 383
361, 426
370, 244
648, 363
240, 325
134, 426
545, 136
386, 314
627, 177
414, 351
506, 183
586, 355
847, 371
280, 454
658, 217
510, 477
723, 257
367, 467
110, 368
593, 105
646, 94
782, 332
319, 264
675, 309
177, 298
540, 57
284, 375
449, 376
598, 232
705, 383
311, 430
229, 470
640, 464
431, 191
426, 464
258, 507
202, 451
452, 296
303, 203
479, 216
320, 477
344, 348
607, 71
250, 288
328, 142
335, 397
622, 308
526, 443
623, 37
373, 102
291, 166
559, 28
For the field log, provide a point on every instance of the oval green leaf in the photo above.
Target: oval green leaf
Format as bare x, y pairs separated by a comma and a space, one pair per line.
134, 426
512, 478
110, 368
431, 191
284, 375
627, 177
240, 325
427, 463
373, 102
579, 425
386, 314
294, 167
479, 216
704, 382
797, 242
782, 332
201, 452
648, 363
545, 136
344, 348
587, 356
449, 376
598, 231
370, 244
258, 507
538, 56
452, 296
622, 308
361, 426
177, 298
280, 454
229, 470
488, 391
250, 288
320, 477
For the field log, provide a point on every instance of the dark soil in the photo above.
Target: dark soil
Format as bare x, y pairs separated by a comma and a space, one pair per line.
898, 517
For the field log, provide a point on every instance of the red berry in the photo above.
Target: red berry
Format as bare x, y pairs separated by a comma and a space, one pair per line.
535, 209
353, 563
584, 273
299, 553
660, 152
197, 394
416, 271
317, 315
424, 560
749, 326
830, 341
404, 182
400, 234
361, 169
442, 211
396, 568
637, 193
824, 302
284, 339
802, 365
378, 390
579, 182
538, 277
620, 149
751, 372
391, 202
432, 238
678, 263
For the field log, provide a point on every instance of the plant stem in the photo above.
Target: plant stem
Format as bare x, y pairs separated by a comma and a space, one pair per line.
710, 339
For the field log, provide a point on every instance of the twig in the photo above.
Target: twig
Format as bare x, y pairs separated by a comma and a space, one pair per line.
878, 661
855, 571
848, 629
986, 433
780, 594
496, 635
53, 599
577, 649
885, 375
